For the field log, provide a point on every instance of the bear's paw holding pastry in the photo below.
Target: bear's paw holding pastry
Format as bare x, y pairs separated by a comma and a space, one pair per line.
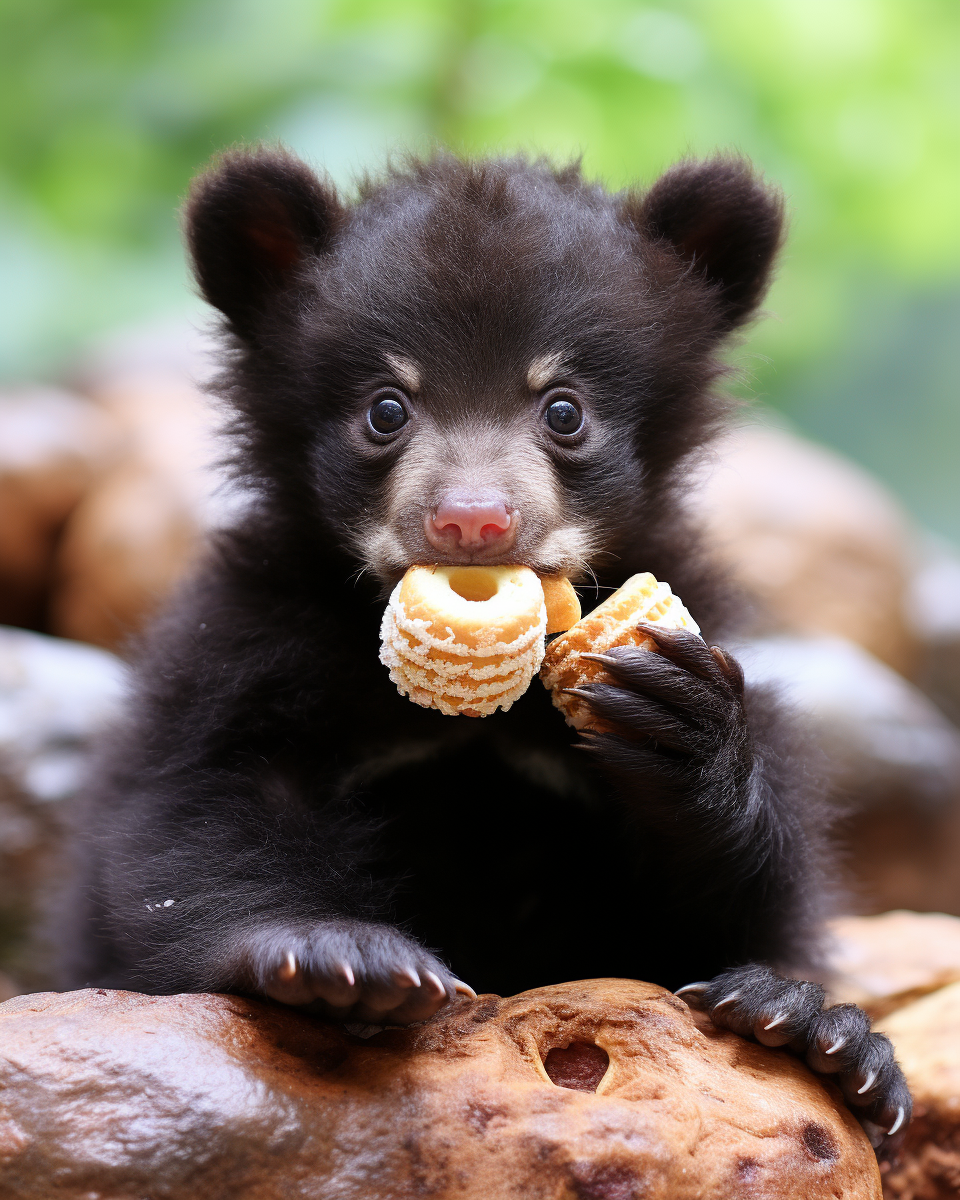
468, 640
612, 623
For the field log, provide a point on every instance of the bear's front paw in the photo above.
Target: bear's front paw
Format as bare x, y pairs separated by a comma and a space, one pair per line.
349, 970
678, 713
756, 1002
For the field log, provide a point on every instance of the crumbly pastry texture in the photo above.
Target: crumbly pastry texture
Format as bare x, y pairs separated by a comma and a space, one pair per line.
464, 640
612, 623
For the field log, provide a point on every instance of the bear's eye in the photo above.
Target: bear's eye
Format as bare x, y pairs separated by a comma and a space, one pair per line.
387, 414
563, 416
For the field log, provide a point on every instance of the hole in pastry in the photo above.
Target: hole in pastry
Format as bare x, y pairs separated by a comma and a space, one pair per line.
474, 584
579, 1066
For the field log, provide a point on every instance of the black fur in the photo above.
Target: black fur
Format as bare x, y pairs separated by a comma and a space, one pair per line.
315, 831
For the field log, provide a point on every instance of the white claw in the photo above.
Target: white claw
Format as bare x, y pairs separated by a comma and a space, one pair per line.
436, 981
289, 967
465, 989
777, 1020
347, 972
871, 1080
897, 1123
727, 1000
841, 1041
691, 987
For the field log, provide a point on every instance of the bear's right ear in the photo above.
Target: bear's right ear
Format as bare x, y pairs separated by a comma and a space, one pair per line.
250, 221
723, 221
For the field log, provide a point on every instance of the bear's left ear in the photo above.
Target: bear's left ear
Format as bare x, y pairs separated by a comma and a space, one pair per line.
251, 220
722, 220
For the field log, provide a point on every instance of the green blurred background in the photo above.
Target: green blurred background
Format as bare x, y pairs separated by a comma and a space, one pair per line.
109, 106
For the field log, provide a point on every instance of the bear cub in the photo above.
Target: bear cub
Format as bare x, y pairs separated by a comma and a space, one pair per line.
474, 362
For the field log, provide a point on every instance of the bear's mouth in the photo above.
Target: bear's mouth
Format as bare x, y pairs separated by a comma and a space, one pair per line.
388, 551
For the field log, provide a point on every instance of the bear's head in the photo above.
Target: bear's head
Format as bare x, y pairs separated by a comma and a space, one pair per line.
489, 361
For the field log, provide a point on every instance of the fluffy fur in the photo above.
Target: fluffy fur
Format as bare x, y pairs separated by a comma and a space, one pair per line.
322, 839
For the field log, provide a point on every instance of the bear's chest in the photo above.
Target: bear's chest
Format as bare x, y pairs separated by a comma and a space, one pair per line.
507, 862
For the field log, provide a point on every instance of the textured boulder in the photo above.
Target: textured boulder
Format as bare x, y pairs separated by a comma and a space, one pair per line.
900, 855
884, 739
885, 962
138, 529
603, 1090
934, 604
891, 757
55, 696
825, 548
904, 968
127, 544
926, 1035
52, 446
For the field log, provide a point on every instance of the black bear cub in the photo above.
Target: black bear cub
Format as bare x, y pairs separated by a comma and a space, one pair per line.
476, 362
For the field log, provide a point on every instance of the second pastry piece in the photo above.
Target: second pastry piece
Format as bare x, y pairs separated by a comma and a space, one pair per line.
612, 623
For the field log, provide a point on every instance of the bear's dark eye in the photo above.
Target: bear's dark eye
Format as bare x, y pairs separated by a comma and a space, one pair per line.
563, 416
387, 415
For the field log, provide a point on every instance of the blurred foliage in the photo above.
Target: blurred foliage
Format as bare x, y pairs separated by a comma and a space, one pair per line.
108, 107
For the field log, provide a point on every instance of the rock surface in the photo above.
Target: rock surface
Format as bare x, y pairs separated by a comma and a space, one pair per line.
126, 546
883, 963
884, 739
55, 697
140, 527
600, 1090
904, 968
898, 855
934, 604
926, 1035
824, 547
53, 445
891, 758
30, 843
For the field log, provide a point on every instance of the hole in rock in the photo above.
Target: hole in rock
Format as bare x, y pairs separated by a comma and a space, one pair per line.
580, 1066
747, 1169
819, 1142
474, 584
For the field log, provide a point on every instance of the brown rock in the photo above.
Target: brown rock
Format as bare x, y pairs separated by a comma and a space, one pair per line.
823, 546
55, 698
900, 855
52, 445
827, 556
126, 546
600, 1090
926, 1035
138, 531
30, 836
885, 742
935, 613
885, 962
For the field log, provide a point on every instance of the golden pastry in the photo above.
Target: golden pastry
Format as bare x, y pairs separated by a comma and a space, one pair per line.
464, 640
562, 602
612, 623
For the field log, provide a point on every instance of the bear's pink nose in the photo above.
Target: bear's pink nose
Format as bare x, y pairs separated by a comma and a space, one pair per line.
470, 521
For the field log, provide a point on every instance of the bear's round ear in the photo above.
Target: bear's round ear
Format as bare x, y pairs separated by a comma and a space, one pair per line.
250, 220
722, 220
